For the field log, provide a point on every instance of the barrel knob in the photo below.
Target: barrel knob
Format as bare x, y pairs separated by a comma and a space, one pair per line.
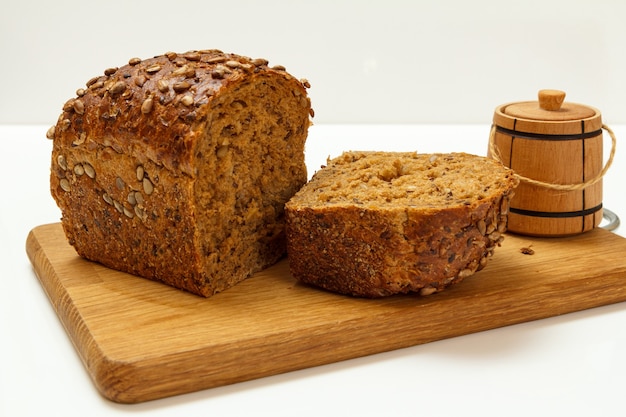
551, 99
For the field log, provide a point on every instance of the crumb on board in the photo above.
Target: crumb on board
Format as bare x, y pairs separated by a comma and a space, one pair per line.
527, 250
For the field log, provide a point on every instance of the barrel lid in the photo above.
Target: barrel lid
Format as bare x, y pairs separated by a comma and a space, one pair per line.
549, 107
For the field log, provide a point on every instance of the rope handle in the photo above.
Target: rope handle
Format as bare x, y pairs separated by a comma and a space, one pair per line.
495, 154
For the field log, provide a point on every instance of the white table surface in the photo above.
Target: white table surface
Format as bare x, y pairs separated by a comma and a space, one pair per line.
571, 365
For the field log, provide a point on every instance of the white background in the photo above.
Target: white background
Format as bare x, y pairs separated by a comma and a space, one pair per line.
391, 61
436, 70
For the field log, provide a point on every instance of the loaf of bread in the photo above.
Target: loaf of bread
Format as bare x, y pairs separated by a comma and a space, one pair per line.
177, 168
373, 224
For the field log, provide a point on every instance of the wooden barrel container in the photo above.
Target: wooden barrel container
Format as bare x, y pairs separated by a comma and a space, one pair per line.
557, 147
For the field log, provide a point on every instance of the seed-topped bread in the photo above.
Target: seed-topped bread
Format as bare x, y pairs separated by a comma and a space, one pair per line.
177, 168
373, 224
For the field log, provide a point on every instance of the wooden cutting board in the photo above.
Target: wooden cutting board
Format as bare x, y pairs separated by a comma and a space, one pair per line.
142, 340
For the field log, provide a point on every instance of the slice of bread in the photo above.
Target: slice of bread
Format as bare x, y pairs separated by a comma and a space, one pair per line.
373, 224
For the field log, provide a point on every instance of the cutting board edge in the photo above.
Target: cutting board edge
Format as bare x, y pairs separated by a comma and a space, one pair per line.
82, 340
304, 353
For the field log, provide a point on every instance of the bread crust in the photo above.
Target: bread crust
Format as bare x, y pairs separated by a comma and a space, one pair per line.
369, 250
114, 111
140, 167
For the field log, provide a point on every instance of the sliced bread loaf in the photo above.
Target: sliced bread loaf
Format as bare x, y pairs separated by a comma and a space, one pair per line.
176, 168
374, 224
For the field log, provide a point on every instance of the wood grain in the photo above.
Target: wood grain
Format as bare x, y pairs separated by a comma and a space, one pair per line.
142, 340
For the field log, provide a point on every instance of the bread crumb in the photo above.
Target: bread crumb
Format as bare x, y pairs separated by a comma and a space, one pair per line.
527, 250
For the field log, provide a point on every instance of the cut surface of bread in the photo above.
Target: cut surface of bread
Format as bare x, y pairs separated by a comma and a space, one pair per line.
374, 224
176, 168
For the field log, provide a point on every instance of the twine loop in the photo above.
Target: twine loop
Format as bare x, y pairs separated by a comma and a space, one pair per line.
495, 154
